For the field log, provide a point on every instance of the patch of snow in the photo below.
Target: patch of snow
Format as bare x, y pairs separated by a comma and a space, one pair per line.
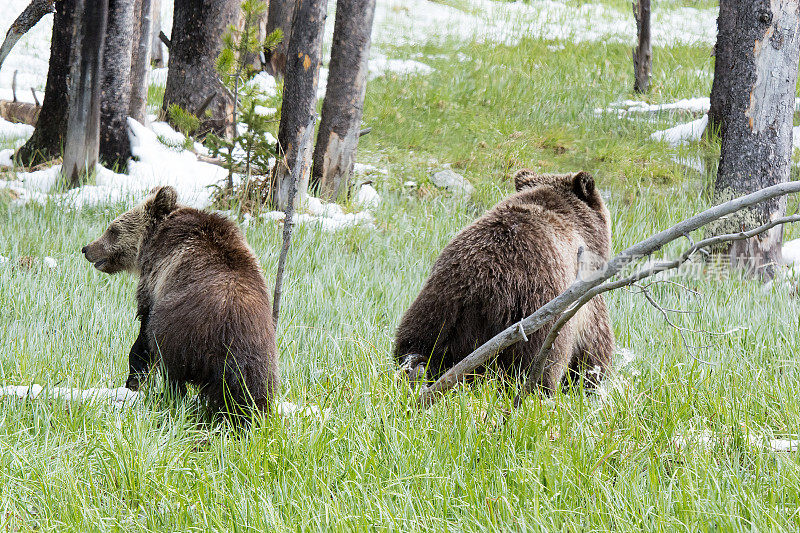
691, 105
289, 409
380, 65
453, 182
682, 133
363, 168
266, 84
266, 111
5, 158
707, 438
118, 397
158, 76
50, 262
4, 260
154, 164
367, 196
404, 22
624, 357
12, 130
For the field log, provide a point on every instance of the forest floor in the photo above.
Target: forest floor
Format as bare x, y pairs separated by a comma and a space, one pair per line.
677, 438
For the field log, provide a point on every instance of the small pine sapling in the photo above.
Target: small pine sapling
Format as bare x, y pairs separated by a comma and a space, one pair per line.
251, 147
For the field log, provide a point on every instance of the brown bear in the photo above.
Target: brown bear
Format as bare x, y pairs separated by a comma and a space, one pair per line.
503, 267
202, 299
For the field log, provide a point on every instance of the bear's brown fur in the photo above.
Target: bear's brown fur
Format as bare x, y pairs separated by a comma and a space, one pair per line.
202, 299
503, 267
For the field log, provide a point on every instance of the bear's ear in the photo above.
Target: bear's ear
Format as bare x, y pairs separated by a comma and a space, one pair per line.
583, 186
165, 199
525, 178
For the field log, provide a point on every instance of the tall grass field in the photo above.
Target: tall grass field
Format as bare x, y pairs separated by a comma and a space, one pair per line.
676, 439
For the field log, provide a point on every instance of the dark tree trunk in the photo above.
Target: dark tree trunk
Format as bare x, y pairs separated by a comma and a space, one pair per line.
24, 22
140, 63
84, 91
115, 145
48, 138
761, 46
196, 41
337, 140
156, 46
643, 53
724, 62
299, 99
279, 16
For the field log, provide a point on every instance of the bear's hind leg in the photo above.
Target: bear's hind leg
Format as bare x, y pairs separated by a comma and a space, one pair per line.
595, 348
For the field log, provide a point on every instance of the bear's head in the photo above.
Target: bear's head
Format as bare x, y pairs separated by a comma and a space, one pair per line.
118, 248
574, 194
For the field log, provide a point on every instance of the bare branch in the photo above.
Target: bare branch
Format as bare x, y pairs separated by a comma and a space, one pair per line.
24, 22
583, 290
297, 169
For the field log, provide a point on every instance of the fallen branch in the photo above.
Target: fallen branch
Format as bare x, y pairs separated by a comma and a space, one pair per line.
19, 112
24, 22
297, 169
583, 290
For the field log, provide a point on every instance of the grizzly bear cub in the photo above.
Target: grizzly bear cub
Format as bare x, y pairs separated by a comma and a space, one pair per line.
503, 267
202, 299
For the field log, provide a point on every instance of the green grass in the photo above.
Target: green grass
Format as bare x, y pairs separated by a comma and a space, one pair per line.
575, 462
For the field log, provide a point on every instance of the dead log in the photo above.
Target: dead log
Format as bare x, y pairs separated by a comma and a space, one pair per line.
561, 308
24, 22
19, 112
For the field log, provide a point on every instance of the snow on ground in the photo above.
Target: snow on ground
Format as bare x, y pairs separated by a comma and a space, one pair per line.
625, 107
155, 164
10, 130
122, 397
682, 133
403, 22
117, 398
399, 22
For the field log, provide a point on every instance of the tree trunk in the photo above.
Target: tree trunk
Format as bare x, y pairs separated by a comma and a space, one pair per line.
115, 145
760, 45
47, 140
84, 92
24, 22
337, 140
643, 53
279, 16
140, 63
156, 46
724, 62
299, 99
197, 30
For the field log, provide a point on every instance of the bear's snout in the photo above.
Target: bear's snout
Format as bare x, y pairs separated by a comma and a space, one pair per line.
83, 250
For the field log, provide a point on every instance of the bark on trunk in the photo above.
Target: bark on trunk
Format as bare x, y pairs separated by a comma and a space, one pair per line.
299, 99
763, 47
196, 41
47, 140
279, 16
115, 145
24, 22
643, 53
724, 62
83, 127
337, 140
140, 63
